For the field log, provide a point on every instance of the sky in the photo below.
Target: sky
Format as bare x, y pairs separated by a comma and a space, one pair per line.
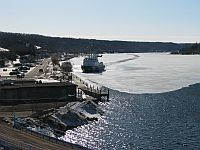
131, 20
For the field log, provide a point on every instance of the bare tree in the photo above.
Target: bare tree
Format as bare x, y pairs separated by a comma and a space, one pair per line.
66, 66
55, 60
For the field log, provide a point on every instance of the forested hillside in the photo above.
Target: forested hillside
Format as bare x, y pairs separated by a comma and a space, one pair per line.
194, 49
25, 43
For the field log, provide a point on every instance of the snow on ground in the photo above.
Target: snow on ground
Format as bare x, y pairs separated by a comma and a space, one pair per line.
47, 80
38, 47
4, 50
16, 61
5, 73
6, 70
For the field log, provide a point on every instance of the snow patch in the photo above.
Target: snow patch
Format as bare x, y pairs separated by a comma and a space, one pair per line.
4, 50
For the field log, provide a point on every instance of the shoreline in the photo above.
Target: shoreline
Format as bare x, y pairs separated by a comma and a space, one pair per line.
27, 110
183, 91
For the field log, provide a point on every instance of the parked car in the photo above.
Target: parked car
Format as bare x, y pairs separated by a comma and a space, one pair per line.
20, 75
25, 71
40, 70
30, 65
4, 69
24, 68
13, 73
16, 69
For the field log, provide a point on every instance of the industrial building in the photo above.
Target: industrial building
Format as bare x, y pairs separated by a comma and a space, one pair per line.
36, 92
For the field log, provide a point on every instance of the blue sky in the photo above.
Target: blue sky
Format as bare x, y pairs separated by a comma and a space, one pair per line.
133, 20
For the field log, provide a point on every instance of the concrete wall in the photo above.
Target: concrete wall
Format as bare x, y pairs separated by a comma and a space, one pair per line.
37, 93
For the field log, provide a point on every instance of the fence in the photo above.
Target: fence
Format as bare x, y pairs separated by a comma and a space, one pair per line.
91, 88
78, 79
9, 143
48, 138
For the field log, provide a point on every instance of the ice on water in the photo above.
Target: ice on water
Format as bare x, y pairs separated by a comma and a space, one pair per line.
144, 72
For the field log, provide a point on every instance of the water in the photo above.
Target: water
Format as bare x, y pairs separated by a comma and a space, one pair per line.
153, 112
148, 73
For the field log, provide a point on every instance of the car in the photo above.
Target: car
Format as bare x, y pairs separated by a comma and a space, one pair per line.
25, 71
17, 64
13, 73
4, 69
24, 68
40, 70
16, 69
30, 65
20, 75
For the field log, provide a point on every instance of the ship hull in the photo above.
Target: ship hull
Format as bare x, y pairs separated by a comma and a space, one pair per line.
92, 69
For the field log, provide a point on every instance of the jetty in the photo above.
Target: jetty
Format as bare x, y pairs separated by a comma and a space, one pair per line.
99, 93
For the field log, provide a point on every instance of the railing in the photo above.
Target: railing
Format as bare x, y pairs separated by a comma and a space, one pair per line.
48, 138
13, 144
96, 92
92, 88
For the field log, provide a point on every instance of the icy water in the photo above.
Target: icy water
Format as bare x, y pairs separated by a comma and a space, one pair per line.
151, 105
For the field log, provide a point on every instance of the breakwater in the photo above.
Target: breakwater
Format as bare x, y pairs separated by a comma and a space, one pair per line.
95, 91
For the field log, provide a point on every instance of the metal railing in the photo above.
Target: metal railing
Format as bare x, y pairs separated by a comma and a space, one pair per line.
89, 87
10, 143
48, 138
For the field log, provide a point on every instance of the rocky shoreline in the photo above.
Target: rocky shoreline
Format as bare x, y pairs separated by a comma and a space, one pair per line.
55, 122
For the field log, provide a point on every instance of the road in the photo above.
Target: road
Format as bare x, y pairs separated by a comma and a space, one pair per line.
23, 140
36, 71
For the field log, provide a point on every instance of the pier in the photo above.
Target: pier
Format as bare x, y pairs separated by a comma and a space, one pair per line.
96, 93
99, 93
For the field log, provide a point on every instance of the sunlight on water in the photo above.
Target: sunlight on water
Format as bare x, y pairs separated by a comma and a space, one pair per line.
144, 121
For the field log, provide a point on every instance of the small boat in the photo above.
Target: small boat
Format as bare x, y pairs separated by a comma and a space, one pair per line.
92, 65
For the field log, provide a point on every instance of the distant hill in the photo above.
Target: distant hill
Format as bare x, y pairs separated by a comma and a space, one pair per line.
193, 49
25, 43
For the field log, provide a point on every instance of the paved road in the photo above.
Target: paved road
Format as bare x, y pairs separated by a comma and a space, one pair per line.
36, 71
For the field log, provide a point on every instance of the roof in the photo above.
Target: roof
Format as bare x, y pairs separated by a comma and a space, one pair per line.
35, 85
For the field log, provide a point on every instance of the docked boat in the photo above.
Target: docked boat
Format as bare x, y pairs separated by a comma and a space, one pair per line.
92, 65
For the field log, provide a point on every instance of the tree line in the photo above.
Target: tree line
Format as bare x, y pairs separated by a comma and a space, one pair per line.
22, 44
193, 49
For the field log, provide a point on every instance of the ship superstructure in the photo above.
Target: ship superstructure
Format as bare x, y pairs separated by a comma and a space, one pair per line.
92, 65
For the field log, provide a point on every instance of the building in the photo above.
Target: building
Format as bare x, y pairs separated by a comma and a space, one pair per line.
29, 93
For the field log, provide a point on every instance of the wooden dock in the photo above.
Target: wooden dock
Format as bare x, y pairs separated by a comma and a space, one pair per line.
99, 93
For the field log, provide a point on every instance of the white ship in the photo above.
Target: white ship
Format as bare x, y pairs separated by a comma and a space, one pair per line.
92, 65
